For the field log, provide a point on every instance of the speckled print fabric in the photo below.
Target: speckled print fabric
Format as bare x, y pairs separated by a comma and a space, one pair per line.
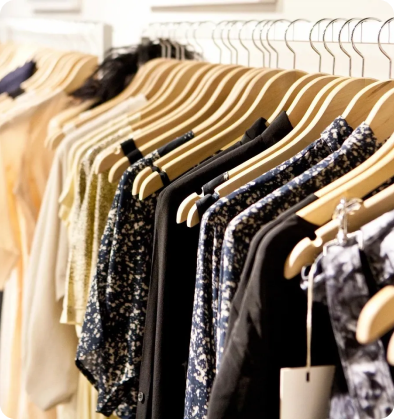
203, 345
78, 274
110, 348
240, 232
340, 280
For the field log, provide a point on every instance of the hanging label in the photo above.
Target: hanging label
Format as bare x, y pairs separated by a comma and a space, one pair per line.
305, 392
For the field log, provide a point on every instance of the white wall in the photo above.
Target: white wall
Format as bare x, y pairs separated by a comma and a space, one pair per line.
128, 17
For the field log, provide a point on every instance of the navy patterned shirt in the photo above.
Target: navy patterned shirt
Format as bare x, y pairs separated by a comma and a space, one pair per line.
204, 342
356, 149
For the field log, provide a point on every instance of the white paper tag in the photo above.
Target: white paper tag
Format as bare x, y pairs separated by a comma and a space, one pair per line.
305, 392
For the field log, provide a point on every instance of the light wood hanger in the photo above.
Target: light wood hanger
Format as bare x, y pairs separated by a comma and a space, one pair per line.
143, 75
331, 108
308, 120
265, 103
301, 105
377, 316
224, 110
113, 154
370, 176
79, 74
231, 101
206, 103
151, 68
293, 93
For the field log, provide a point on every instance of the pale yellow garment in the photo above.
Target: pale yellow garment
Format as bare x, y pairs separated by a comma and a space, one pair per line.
79, 150
43, 299
82, 232
122, 129
24, 167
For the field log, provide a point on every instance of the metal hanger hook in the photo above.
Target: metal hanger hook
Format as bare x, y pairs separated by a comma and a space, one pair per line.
287, 42
182, 45
311, 42
195, 37
172, 32
232, 23
381, 48
268, 37
325, 42
347, 23
222, 37
254, 40
217, 25
240, 38
367, 19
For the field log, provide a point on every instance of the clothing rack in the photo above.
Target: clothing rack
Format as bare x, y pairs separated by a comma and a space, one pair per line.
88, 37
335, 46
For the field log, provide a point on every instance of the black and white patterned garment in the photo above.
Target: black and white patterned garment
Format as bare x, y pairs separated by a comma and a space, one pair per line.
343, 278
110, 348
203, 344
356, 149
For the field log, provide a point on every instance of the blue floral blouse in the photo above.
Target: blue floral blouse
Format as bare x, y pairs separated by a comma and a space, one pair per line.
355, 150
110, 348
204, 342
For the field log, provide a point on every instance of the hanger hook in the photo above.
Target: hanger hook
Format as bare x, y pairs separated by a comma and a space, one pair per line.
262, 43
222, 37
268, 37
240, 38
160, 40
347, 23
311, 42
325, 42
184, 46
189, 45
287, 42
167, 41
195, 38
254, 40
232, 23
354, 45
214, 39
172, 32
381, 48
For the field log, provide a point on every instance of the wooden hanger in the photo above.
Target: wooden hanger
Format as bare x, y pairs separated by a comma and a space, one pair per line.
307, 250
56, 123
293, 92
202, 106
231, 97
376, 319
113, 154
355, 114
265, 103
332, 107
314, 92
143, 75
79, 74
226, 90
150, 68
368, 179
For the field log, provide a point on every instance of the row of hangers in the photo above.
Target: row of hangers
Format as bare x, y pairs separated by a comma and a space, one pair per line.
55, 69
219, 102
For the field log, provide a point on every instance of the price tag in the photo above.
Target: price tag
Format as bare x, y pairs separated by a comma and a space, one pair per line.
305, 392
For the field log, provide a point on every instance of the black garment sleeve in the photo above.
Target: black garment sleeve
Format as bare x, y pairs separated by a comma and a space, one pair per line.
270, 333
171, 291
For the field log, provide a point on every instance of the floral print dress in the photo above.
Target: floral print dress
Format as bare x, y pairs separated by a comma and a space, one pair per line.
203, 343
110, 348
356, 149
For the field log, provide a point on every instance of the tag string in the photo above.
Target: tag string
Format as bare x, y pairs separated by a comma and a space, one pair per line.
309, 318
